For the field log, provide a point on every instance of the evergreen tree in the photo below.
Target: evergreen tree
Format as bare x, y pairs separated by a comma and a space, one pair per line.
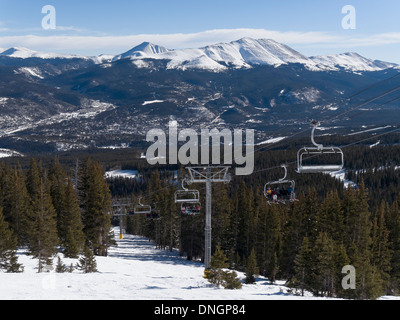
17, 203
95, 202
330, 217
231, 280
42, 229
66, 204
309, 209
33, 178
325, 267
292, 239
368, 281
219, 261
274, 239
243, 221
217, 276
8, 247
71, 228
61, 267
273, 268
302, 279
221, 213
251, 270
380, 251
87, 263
262, 245
57, 179
394, 240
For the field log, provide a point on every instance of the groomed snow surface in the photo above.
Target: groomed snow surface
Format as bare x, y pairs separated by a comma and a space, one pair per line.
134, 270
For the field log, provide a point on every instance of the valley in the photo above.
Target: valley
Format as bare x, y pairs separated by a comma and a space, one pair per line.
52, 102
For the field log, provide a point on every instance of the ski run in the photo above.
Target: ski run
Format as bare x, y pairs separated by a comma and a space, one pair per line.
133, 270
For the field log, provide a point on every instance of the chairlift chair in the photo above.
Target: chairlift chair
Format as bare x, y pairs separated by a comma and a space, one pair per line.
154, 214
318, 150
189, 200
142, 209
281, 191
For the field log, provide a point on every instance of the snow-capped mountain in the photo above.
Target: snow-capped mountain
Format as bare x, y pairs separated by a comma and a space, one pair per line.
25, 53
242, 53
248, 52
144, 50
352, 62
60, 102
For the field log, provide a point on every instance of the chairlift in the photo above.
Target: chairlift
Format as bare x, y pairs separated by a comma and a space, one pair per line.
186, 195
281, 191
189, 200
318, 151
142, 209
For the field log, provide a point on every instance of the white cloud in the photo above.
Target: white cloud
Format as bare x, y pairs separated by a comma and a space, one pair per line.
94, 45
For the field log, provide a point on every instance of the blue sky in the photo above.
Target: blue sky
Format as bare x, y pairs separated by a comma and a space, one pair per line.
309, 26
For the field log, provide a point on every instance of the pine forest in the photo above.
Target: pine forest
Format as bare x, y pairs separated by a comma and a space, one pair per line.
66, 204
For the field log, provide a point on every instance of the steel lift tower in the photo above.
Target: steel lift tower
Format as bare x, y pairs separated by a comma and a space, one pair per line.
208, 175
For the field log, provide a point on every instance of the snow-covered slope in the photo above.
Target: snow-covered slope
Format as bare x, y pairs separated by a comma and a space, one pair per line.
352, 62
134, 270
24, 53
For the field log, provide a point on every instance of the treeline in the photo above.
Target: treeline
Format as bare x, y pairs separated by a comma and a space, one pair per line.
50, 209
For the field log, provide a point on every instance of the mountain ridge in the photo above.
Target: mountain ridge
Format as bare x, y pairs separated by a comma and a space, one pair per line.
247, 52
243, 53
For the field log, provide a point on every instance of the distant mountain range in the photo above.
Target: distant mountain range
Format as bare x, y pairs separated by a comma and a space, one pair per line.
247, 52
51, 102
243, 53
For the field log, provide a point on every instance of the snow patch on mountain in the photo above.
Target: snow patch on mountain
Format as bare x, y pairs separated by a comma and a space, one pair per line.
34, 72
130, 174
6, 153
152, 102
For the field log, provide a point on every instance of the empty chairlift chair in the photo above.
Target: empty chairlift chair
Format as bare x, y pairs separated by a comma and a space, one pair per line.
189, 200
281, 191
142, 209
331, 158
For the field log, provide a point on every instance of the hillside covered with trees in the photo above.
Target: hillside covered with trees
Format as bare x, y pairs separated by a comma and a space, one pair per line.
48, 205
